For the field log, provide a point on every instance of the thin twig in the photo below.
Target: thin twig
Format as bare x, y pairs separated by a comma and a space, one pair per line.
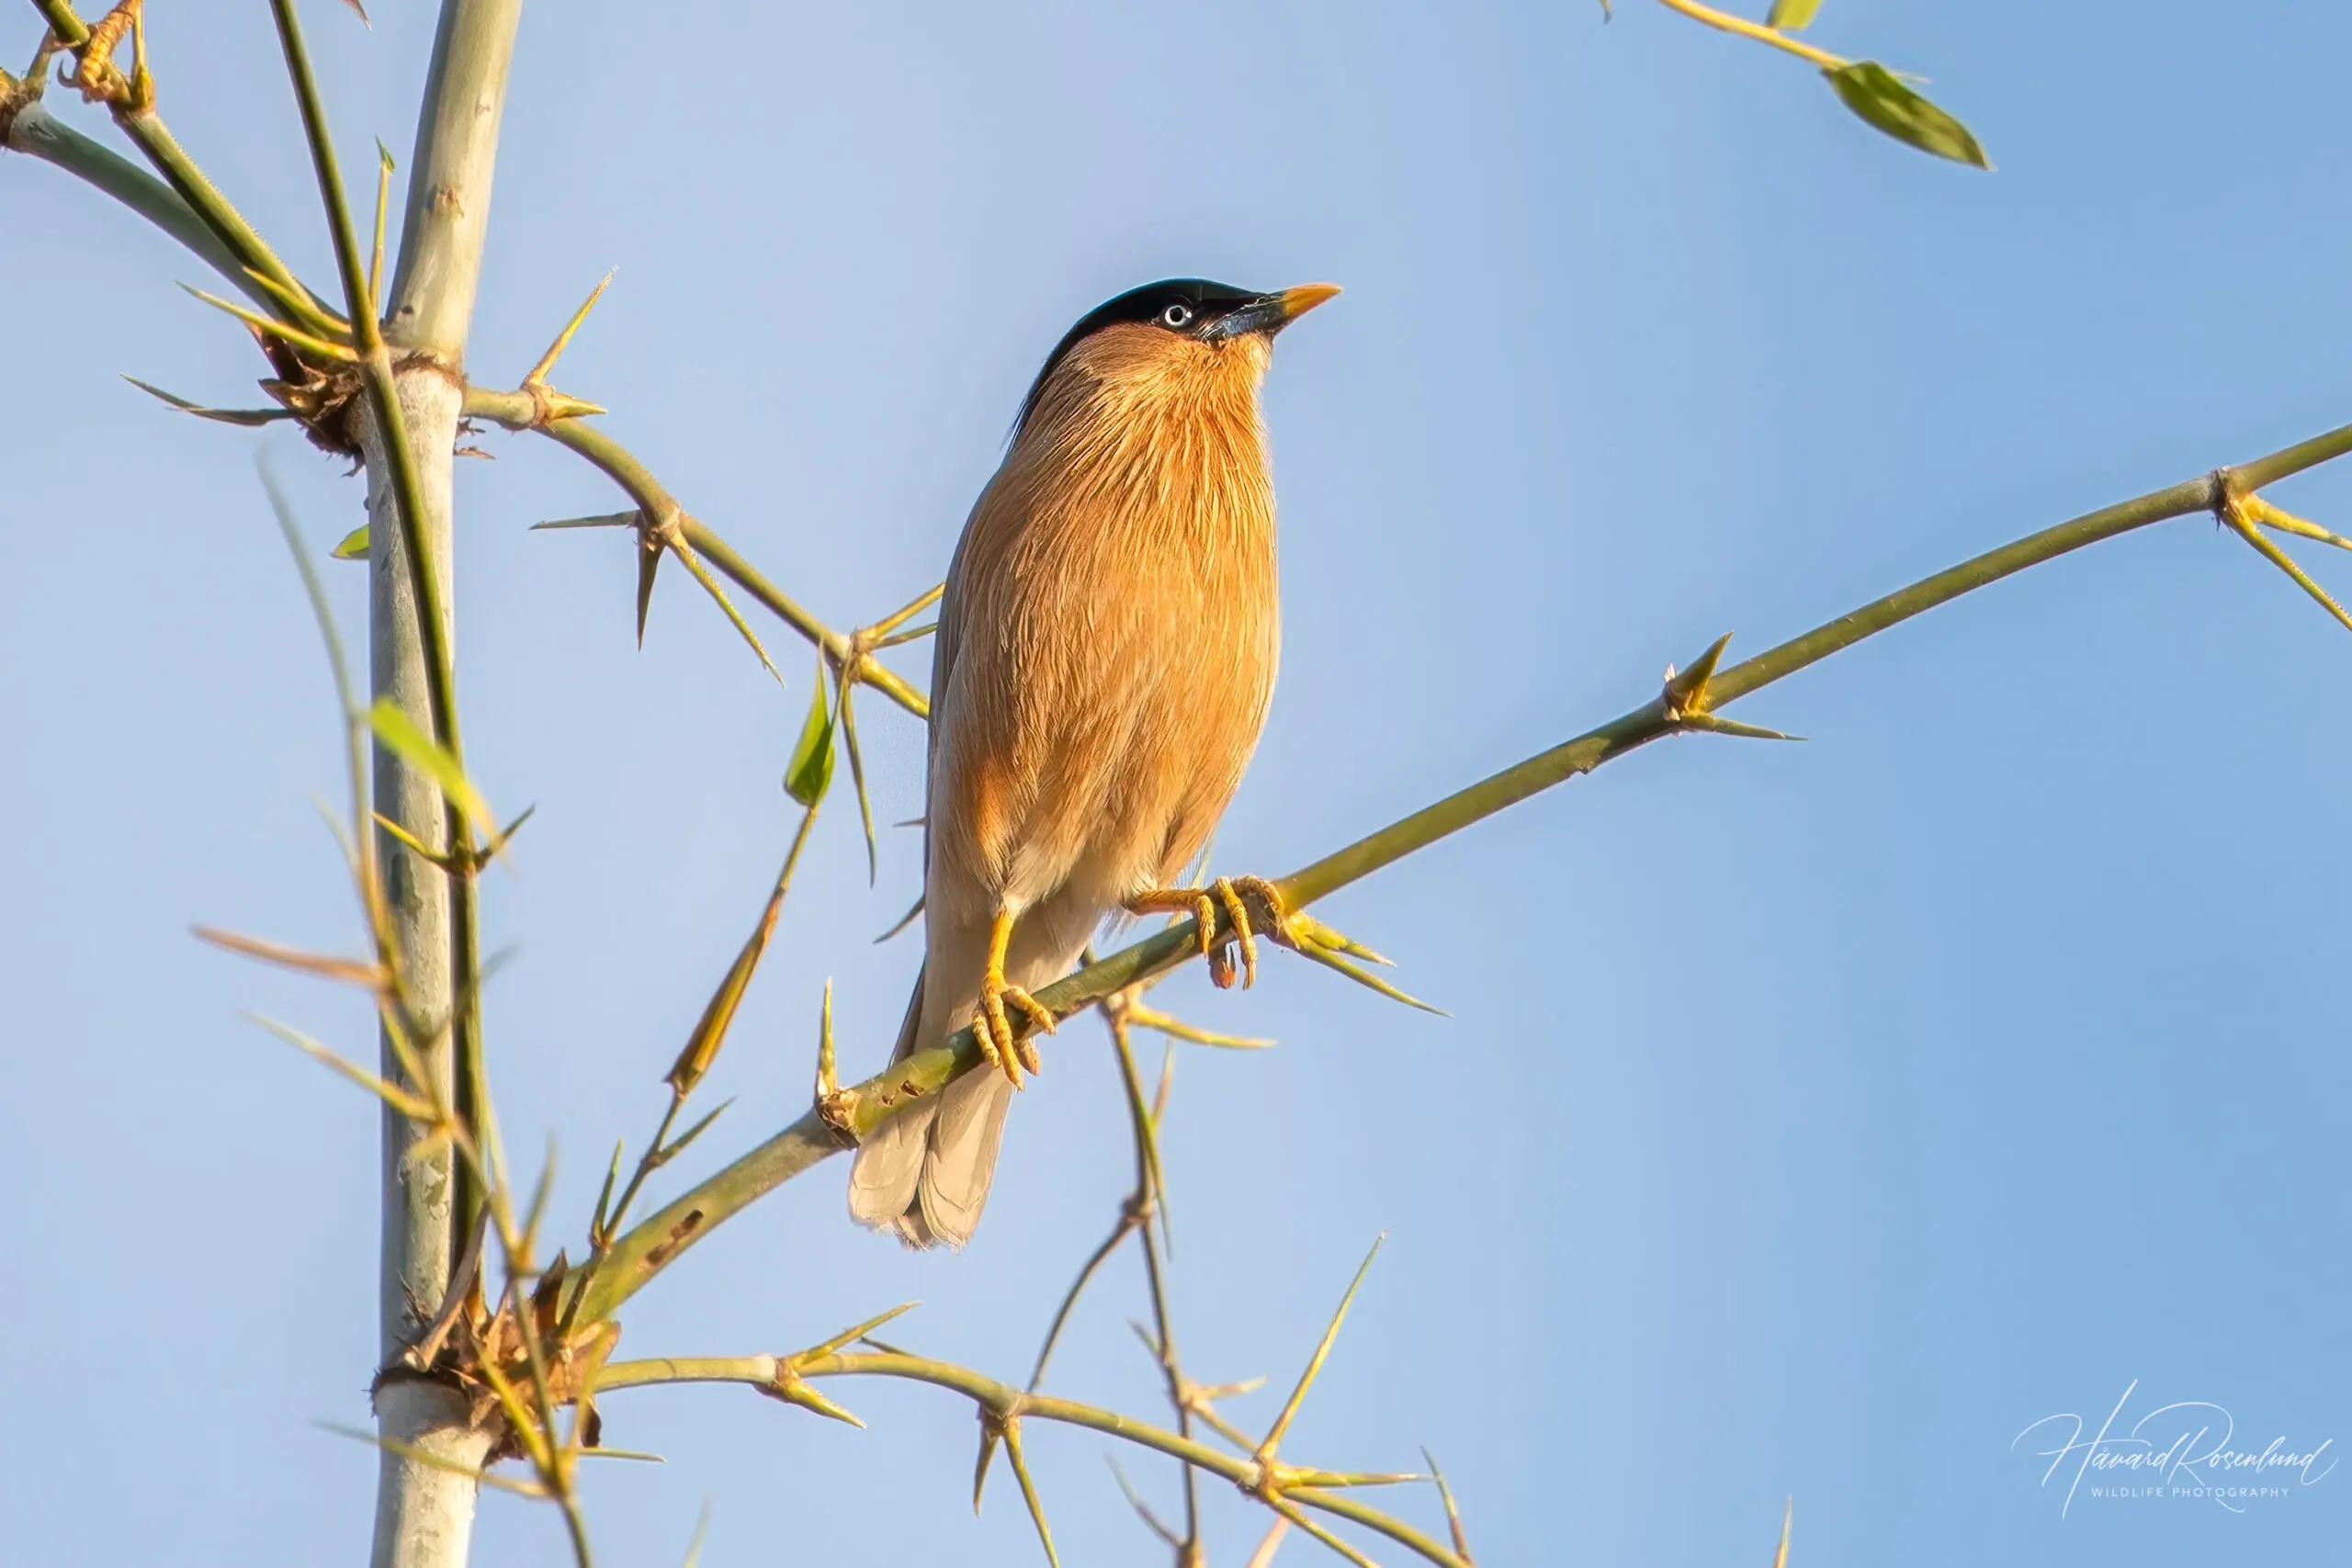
1741, 26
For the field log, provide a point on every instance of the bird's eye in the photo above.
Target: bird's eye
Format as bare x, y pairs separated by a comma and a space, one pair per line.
1178, 316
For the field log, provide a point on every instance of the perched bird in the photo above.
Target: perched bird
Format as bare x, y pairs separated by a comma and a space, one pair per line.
1103, 660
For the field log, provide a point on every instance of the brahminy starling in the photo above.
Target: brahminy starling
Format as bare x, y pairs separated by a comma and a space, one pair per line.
1102, 670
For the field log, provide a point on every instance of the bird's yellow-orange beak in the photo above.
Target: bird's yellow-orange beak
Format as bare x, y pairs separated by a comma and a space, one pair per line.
1270, 313
1296, 302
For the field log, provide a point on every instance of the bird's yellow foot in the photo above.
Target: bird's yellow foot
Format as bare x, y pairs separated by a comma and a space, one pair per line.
1006, 1049
1009, 1050
1250, 904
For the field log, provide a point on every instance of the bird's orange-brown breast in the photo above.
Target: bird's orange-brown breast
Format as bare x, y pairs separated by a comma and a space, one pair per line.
1110, 634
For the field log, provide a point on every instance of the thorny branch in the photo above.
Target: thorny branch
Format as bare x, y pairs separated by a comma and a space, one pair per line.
1282, 1488
666, 527
1681, 708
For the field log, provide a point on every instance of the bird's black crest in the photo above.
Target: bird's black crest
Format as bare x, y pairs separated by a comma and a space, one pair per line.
1205, 300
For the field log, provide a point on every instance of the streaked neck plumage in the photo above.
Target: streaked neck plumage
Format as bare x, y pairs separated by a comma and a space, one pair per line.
1163, 429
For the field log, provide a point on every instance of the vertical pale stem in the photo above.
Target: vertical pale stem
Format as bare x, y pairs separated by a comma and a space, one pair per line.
424, 1514
420, 1195
448, 213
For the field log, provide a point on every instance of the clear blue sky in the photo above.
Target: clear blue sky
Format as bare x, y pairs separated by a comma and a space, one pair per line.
1810, 1118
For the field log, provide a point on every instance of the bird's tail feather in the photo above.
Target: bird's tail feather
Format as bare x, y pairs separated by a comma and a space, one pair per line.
882, 1178
925, 1172
966, 1129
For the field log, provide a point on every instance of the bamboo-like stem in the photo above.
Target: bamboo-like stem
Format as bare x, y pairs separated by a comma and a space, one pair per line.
394, 459
413, 665
1321, 1491
447, 217
656, 1241
424, 1512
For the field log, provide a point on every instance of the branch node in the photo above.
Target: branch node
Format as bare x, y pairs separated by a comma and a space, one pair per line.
835, 1107
1689, 704
788, 1386
1685, 696
839, 1111
547, 405
19, 94
2221, 485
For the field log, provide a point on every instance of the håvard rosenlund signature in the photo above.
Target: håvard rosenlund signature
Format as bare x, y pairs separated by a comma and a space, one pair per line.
2180, 1450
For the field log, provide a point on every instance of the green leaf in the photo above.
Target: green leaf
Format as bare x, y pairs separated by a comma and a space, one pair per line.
354, 546
428, 756
1873, 92
1792, 15
810, 772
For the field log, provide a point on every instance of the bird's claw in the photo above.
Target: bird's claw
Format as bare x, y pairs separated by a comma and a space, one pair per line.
1254, 907
1006, 1049
1251, 905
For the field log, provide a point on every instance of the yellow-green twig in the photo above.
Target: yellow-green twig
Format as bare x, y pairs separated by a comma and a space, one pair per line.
1742, 27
